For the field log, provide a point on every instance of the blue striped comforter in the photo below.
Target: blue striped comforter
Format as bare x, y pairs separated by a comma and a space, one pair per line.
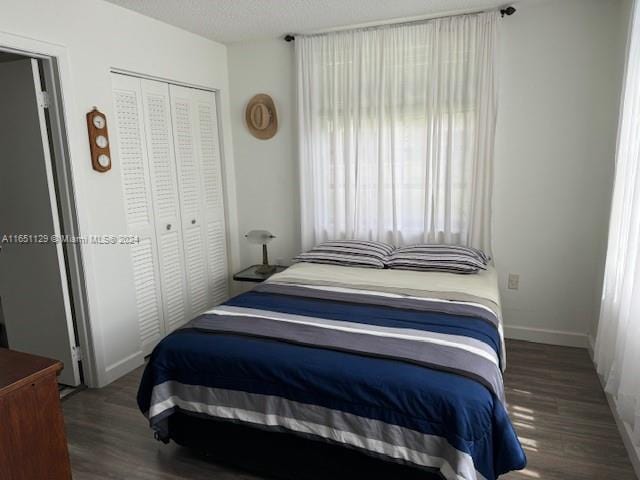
414, 380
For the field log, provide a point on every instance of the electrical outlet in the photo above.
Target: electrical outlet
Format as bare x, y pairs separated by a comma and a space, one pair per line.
514, 281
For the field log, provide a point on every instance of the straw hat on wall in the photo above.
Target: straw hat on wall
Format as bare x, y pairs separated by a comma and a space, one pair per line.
261, 117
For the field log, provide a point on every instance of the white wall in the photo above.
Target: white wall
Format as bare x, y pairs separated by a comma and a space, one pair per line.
560, 82
266, 170
91, 37
560, 75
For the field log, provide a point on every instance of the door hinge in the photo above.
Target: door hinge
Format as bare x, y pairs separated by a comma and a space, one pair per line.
44, 100
76, 353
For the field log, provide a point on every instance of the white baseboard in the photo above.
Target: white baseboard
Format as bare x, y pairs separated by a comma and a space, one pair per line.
121, 368
591, 345
551, 337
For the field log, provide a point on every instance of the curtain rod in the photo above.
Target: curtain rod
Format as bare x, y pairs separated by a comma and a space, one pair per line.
508, 11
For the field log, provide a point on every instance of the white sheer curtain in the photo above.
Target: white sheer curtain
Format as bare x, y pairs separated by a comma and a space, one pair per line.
396, 130
617, 350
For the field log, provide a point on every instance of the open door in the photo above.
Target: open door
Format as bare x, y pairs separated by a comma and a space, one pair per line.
34, 292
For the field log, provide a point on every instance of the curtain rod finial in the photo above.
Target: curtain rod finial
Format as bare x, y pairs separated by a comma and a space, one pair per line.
289, 38
510, 10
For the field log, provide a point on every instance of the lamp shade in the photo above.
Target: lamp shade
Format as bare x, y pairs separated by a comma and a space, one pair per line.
259, 237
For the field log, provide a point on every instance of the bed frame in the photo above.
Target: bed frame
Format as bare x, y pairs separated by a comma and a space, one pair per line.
280, 455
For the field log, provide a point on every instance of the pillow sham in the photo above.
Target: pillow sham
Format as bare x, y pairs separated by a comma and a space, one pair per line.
438, 258
349, 253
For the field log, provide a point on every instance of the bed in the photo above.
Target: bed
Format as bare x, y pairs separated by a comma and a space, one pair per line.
404, 367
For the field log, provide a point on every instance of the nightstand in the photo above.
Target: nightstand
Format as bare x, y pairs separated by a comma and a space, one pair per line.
251, 275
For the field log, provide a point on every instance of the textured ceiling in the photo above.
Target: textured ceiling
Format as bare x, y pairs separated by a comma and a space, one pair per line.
229, 21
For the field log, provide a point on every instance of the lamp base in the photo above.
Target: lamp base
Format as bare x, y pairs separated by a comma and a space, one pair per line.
265, 269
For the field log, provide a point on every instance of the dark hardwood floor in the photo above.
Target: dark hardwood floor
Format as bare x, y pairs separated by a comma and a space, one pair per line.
555, 401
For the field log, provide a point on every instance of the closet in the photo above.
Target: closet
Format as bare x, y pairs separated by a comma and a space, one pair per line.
169, 153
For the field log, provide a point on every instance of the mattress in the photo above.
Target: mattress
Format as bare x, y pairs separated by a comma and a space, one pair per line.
405, 366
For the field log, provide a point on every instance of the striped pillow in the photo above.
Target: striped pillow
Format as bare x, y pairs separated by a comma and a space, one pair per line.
438, 258
349, 253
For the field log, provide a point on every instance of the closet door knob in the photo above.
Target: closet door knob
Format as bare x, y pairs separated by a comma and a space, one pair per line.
193, 222
168, 226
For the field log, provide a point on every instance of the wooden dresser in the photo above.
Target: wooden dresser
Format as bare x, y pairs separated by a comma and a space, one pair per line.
33, 445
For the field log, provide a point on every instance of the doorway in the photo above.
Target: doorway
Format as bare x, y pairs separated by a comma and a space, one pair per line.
41, 293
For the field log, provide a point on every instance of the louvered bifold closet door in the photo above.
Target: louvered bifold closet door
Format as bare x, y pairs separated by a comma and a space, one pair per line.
191, 205
164, 187
136, 184
208, 135
200, 185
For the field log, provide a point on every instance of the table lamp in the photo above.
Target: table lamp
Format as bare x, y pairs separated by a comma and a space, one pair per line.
262, 237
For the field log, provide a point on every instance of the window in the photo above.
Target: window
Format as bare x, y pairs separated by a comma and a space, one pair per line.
397, 132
